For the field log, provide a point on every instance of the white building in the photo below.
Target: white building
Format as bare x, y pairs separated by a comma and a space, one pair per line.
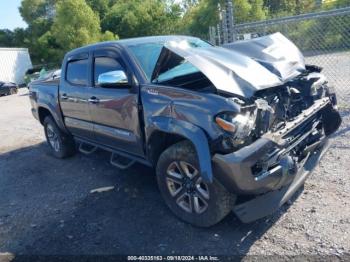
14, 62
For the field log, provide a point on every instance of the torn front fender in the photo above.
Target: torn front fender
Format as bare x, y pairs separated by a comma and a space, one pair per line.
194, 134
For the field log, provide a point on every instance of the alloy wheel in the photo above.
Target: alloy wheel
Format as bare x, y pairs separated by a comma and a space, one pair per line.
53, 138
187, 187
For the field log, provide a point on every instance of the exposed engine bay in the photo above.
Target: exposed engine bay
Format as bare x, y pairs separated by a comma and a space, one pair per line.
270, 110
269, 81
296, 117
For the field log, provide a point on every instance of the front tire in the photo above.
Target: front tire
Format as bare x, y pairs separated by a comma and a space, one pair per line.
61, 144
184, 191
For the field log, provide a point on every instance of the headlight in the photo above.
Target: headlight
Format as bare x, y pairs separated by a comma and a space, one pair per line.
239, 125
318, 85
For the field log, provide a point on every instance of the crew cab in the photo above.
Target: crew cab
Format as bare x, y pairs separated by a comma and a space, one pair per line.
238, 127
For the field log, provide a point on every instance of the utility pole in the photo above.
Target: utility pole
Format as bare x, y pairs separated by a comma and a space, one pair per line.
220, 26
218, 34
225, 31
224, 26
212, 35
230, 21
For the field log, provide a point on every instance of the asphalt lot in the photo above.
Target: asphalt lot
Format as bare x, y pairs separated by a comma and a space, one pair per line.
46, 206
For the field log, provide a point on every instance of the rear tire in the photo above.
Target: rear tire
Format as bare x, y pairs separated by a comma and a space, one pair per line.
186, 194
61, 144
13, 91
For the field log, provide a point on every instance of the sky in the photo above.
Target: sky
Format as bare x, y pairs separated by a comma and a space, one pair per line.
9, 15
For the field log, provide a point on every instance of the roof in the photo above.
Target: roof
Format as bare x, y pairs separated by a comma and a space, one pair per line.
150, 39
129, 41
13, 49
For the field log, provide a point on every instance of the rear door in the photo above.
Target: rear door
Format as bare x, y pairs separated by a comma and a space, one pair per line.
115, 111
74, 94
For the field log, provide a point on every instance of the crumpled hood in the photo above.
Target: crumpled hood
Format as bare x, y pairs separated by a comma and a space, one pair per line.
242, 68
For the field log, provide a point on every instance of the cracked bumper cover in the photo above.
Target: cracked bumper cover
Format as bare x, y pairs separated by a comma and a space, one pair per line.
235, 171
268, 203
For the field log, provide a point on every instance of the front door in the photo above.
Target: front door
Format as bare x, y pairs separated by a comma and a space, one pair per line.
114, 109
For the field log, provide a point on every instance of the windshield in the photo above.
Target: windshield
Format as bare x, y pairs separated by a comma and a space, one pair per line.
184, 68
147, 55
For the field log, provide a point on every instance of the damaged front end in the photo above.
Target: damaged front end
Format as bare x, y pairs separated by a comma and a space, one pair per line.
289, 137
276, 131
286, 109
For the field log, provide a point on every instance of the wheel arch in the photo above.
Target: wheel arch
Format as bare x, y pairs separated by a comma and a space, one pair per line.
160, 141
43, 113
45, 110
167, 131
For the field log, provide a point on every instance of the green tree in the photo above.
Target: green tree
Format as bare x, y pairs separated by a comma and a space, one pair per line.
99, 6
199, 17
75, 25
6, 38
55, 26
32, 10
335, 4
257, 10
141, 18
38, 14
279, 8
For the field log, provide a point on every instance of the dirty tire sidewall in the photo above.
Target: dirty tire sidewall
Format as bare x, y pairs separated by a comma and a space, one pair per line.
13, 91
220, 202
66, 147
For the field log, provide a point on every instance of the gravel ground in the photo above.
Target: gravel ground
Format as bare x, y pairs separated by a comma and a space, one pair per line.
47, 207
336, 66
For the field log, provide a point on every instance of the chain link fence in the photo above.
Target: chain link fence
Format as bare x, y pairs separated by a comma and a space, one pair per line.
324, 39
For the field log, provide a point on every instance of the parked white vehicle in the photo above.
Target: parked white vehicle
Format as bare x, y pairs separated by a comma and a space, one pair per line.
14, 62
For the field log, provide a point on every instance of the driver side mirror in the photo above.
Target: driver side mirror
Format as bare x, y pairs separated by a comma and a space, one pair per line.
113, 79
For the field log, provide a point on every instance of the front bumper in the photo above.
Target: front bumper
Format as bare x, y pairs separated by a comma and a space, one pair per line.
283, 174
268, 203
238, 173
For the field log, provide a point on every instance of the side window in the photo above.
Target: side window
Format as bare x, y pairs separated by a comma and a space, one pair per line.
77, 72
104, 65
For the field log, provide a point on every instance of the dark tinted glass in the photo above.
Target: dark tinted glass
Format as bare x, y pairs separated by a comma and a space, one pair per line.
77, 72
104, 65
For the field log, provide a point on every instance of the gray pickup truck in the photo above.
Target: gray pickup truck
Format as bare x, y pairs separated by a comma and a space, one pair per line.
238, 127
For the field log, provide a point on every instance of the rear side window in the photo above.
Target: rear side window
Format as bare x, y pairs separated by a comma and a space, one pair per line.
104, 65
77, 73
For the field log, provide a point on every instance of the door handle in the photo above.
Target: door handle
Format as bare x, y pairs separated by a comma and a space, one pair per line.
93, 100
64, 97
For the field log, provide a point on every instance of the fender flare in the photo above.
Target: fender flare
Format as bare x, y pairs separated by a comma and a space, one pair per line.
56, 115
194, 134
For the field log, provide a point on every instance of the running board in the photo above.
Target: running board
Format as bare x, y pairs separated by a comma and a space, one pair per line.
125, 155
89, 149
116, 161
